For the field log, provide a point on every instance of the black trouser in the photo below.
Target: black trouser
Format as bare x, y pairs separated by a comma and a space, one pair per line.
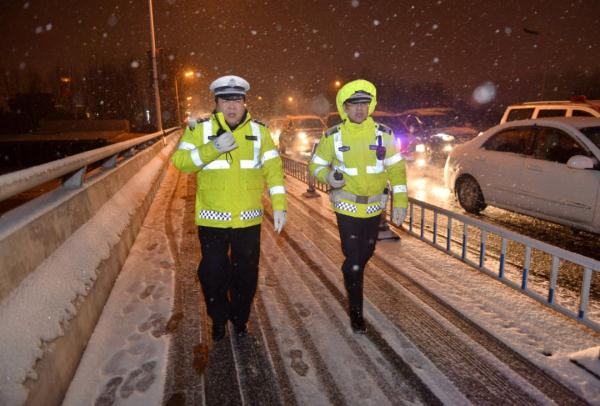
358, 236
221, 274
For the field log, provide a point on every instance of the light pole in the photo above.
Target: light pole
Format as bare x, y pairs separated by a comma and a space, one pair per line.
159, 126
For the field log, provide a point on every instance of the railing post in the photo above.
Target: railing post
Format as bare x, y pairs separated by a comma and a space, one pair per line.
585, 293
74, 180
482, 248
502, 259
553, 278
526, 265
310, 191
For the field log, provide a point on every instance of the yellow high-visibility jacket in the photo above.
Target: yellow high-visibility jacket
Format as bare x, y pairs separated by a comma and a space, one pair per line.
350, 148
229, 186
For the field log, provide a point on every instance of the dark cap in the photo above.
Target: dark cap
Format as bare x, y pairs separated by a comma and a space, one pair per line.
359, 97
231, 96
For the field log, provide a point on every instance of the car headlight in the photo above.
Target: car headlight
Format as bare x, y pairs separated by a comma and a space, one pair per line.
420, 148
302, 136
445, 137
448, 148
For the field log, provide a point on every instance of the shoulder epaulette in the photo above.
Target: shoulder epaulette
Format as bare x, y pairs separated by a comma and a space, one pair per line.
332, 130
259, 122
384, 128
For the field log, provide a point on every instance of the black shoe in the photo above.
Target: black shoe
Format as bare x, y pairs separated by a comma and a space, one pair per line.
241, 330
218, 331
357, 323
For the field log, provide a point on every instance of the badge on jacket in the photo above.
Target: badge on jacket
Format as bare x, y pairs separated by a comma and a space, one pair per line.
379, 151
344, 148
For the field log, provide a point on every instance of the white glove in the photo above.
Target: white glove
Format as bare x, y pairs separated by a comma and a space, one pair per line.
225, 143
192, 123
278, 220
333, 182
398, 215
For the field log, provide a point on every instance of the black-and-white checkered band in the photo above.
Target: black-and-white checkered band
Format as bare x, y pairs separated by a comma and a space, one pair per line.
345, 206
374, 208
251, 214
214, 215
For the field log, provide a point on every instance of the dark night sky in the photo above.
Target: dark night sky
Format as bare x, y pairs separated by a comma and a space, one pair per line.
303, 46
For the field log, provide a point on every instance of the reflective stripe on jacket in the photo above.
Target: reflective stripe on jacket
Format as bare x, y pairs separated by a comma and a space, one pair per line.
229, 186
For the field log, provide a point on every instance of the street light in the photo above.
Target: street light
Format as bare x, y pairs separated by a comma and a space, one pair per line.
187, 74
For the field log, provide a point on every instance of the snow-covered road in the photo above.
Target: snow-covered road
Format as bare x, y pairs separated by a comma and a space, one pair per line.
438, 331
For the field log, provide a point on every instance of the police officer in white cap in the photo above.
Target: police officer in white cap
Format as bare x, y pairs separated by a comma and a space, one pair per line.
233, 157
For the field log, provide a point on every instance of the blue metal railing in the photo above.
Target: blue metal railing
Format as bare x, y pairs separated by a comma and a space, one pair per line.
434, 233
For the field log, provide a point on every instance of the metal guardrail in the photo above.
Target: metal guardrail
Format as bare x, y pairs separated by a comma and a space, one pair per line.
74, 167
441, 236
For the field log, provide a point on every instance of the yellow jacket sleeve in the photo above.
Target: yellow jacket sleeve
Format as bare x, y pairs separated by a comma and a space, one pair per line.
273, 171
192, 154
396, 170
320, 163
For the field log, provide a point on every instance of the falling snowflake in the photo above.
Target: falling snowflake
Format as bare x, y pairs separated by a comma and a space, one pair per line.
376, 22
436, 59
356, 54
412, 43
253, 32
48, 26
26, 5
484, 93
434, 26
112, 20
171, 57
355, 3
39, 29
135, 64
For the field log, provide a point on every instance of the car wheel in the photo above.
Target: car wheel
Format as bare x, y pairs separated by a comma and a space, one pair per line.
469, 195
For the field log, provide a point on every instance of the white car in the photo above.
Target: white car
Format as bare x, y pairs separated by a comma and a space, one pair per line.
576, 107
547, 168
299, 134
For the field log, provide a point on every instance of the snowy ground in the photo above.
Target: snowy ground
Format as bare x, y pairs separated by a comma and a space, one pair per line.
126, 360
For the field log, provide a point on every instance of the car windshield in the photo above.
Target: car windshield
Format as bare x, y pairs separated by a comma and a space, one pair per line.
308, 123
395, 123
592, 134
450, 119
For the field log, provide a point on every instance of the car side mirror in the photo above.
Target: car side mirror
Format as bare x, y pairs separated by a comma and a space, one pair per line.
581, 162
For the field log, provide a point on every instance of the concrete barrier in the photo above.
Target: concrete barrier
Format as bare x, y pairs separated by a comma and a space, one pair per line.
102, 219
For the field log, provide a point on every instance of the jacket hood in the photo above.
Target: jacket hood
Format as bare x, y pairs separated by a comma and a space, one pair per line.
352, 87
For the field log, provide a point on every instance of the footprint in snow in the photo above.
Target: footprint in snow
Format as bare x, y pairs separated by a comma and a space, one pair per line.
298, 365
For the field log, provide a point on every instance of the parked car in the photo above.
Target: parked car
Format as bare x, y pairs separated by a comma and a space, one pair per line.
576, 107
299, 134
547, 168
276, 125
433, 132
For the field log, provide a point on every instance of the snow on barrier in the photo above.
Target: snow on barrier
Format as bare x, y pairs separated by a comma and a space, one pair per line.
60, 254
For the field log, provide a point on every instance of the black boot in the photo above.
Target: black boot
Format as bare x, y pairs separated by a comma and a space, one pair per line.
240, 330
357, 322
218, 331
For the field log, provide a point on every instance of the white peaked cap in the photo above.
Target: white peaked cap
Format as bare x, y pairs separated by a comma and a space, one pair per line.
230, 85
